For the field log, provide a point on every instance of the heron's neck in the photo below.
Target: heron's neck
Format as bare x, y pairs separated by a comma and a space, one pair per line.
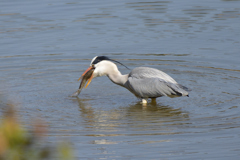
117, 78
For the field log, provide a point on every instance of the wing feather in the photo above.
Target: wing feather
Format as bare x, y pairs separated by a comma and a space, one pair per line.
146, 72
150, 82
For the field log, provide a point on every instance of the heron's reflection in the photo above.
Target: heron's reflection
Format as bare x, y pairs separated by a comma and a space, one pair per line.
135, 116
155, 112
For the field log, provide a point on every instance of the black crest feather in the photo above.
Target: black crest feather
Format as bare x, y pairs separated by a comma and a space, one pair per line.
101, 58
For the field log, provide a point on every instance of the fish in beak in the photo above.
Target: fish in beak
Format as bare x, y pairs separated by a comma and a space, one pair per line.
86, 76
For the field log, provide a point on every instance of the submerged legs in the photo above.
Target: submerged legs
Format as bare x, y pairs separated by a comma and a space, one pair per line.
154, 100
144, 100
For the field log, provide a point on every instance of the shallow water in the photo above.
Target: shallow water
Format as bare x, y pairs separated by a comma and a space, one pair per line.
47, 45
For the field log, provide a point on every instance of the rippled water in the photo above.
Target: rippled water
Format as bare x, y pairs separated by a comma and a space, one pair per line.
47, 45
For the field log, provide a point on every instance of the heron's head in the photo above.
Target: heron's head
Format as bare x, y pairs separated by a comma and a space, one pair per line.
99, 66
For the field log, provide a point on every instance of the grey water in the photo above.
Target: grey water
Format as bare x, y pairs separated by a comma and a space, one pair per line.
45, 46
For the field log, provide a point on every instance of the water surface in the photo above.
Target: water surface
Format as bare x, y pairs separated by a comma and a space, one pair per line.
47, 45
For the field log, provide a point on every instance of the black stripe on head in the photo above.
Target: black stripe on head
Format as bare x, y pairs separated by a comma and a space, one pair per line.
101, 58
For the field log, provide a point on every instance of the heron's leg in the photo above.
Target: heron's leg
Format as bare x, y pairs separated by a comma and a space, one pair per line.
144, 100
154, 100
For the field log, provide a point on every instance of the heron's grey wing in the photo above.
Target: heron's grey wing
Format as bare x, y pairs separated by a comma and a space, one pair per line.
150, 87
150, 82
146, 72
179, 89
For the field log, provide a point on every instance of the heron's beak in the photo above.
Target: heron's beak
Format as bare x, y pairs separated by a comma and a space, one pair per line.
88, 77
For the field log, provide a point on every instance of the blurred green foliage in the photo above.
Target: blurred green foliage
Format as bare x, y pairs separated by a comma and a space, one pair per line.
18, 143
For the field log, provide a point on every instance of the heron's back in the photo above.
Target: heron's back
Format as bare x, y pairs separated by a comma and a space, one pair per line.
150, 82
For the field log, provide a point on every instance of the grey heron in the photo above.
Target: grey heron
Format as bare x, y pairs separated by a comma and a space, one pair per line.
143, 82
